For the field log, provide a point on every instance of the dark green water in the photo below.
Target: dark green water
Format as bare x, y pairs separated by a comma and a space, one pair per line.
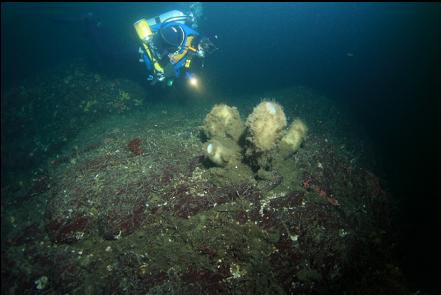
364, 77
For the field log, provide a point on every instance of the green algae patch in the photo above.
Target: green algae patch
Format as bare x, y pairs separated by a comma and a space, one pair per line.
231, 175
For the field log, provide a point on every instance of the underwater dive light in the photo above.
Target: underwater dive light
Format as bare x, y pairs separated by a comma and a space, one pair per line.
193, 81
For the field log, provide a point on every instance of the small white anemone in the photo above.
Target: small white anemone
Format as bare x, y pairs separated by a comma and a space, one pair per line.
270, 108
210, 148
41, 283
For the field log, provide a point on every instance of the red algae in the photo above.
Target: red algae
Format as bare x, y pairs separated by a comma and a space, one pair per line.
135, 146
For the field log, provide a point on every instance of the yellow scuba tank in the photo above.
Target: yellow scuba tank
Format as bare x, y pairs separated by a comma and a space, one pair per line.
144, 32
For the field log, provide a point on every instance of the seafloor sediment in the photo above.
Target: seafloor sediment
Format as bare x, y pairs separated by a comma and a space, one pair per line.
129, 205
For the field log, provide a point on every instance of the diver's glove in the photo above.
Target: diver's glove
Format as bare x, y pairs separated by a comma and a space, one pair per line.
160, 77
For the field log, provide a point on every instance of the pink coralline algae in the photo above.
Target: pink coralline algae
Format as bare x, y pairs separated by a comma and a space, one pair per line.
308, 183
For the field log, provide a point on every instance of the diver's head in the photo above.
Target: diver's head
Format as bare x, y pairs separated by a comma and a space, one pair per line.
172, 36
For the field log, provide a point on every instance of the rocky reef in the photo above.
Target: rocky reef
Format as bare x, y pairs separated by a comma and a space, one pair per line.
138, 204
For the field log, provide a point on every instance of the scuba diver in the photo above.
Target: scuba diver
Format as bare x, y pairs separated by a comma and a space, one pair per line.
169, 43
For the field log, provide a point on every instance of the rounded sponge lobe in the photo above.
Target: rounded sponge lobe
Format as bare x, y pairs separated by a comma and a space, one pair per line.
265, 125
223, 121
295, 135
222, 152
